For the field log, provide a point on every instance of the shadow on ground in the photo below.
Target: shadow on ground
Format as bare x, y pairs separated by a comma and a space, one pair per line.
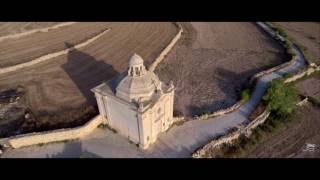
74, 150
87, 72
228, 83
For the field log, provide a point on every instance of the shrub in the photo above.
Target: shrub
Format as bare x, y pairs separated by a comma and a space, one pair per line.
281, 99
245, 95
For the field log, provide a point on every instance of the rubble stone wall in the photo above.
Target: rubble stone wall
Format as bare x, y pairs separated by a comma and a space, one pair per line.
52, 136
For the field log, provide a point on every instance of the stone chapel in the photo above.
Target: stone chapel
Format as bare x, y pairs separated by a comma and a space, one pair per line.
136, 103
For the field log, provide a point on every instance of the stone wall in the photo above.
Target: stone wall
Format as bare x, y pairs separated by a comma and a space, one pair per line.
245, 130
221, 112
262, 73
167, 49
52, 136
13, 36
51, 55
301, 74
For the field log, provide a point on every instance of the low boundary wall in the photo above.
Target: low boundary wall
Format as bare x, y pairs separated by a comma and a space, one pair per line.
220, 112
51, 55
167, 49
51, 136
307, 71
47, 29
245, 130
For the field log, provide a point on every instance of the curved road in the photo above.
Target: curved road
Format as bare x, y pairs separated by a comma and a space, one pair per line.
179, 141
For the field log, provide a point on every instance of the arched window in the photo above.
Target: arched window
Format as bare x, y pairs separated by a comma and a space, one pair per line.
137, 71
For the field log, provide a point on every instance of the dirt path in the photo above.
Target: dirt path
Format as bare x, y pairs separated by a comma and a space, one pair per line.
212, 62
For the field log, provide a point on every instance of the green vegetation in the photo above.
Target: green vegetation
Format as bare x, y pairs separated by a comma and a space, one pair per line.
280, 99
245, 95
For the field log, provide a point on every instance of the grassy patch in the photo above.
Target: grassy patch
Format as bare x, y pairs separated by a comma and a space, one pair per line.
245, 95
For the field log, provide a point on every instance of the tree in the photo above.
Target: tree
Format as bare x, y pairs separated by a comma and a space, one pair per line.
281, 99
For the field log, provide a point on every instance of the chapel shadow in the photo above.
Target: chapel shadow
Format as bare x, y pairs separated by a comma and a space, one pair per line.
74, 150
87, 72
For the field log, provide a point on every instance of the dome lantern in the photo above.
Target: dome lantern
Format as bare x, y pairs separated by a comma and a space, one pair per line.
136, 67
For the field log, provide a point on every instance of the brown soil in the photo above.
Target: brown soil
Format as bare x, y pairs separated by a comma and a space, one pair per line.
63, 84
7, 28
310, 87
213, 61
307, 34
16, 51
292, 141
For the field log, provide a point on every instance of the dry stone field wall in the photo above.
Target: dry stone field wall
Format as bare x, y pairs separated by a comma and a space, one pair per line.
30, 32
31, 46
52, 136
51, 55
230, 137
168, 48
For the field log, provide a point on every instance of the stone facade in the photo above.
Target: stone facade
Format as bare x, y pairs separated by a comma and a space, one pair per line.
136, 104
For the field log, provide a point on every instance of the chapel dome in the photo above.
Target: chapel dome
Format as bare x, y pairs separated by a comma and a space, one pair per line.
135, 60
138, 83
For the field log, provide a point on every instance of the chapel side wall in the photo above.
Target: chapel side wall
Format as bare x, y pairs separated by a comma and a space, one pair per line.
101, 107
146, 129
167, 111
124, 119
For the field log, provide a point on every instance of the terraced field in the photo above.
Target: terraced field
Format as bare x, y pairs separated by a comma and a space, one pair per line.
20, 50
307, 34
213, 61
59, 88
8, 28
